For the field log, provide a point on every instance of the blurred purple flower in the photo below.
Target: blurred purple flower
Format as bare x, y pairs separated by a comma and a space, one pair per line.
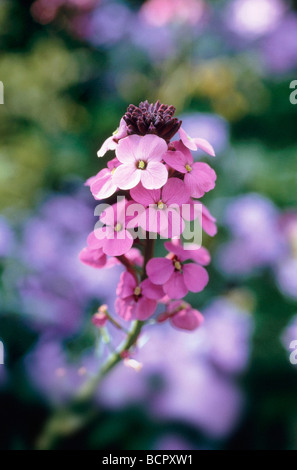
172, 442
54, 375
289, 334
257, 240
279, 49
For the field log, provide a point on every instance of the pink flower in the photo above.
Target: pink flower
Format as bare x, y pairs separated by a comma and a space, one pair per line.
102, 185
176, 276
112, 142
182, 316
162, 214
141, 158
196, 143
93, 257
136, 301
199, 177
114, 239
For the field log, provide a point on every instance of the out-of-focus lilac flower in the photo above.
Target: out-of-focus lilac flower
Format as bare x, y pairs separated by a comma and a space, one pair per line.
162, 12
54, 375
107, 24
6, 238
257, 240
210, 127
254, 18
286, 275
279, 49
57, 287
202, 394
228, 330
45, 12
158, 43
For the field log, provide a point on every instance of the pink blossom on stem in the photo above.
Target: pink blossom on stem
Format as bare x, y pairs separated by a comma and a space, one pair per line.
199, 177
176, 276
94, 258
207, 221
182, 315
136, 301
196, 143
141, 160
112, 142
163, 207
114, 239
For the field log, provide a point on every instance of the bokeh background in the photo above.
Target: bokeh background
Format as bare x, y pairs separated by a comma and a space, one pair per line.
70, 68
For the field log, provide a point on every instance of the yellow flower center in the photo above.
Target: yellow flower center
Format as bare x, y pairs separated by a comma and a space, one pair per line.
116, 131
137, 291
161, 205
141, 165
177, 265
113, 170
188, 168
118, 228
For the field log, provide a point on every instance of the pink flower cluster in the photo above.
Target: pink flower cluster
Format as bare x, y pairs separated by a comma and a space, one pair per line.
159, 174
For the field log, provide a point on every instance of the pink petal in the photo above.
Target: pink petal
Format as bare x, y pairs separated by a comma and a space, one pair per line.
208, 222
109, 144
125, 308
103, 186
175, 192
188, 319
145, 308
93, 258
151, 148
173, 225
175, 287
118, 246
145, 196
205, 146
200, 180
176, 160
159, 270
187, 140
127, 176
95, 239
151, 291
126, 285
127, 149
154, 176
196, 278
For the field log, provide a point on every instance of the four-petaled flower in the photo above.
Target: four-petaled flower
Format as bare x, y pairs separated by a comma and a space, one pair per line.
141, 160
137, 301
175, 275
199, 177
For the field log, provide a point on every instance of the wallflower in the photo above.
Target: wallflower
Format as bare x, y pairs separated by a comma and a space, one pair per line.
182, 315
141, 158
137, 301
114, 239
162, 214
199, 177
177, 277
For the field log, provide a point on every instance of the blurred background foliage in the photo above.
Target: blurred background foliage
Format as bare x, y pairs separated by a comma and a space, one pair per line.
70, 68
